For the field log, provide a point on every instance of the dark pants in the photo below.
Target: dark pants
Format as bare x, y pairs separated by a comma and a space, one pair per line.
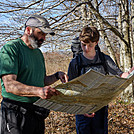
20, 118
93, 125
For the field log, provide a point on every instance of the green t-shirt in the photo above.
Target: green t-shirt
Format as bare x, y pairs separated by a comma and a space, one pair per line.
28, 64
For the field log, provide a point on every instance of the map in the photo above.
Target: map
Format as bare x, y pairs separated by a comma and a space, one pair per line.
87, 93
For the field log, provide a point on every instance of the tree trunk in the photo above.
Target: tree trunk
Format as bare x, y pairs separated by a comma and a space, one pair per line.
132, 39
132, 31
122, 44
126, 50
126, 34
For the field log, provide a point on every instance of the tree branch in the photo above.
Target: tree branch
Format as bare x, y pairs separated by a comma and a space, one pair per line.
70, 11
51, 7
21, 8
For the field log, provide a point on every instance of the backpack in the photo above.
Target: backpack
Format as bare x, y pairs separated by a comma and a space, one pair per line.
77, 50
76, 46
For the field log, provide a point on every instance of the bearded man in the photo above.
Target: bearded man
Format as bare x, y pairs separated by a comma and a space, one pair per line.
24, 80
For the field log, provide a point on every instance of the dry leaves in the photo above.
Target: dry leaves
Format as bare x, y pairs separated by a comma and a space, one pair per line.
121, 120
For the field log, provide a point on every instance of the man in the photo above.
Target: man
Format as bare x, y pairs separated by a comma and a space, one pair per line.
93, 123
24, 80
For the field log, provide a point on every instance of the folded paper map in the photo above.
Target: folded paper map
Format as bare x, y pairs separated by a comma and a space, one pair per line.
86, 93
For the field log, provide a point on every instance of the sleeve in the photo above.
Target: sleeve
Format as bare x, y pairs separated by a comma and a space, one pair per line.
72, 70
8, 60
113, 69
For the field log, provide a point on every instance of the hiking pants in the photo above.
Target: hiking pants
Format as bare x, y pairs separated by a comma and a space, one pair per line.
93, 125
18, 119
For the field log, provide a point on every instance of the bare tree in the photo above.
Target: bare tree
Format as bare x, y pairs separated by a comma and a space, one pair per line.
114, 18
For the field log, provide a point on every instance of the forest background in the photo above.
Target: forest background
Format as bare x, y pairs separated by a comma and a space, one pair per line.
115, 21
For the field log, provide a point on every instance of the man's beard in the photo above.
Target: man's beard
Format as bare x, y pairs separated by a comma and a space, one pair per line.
35, 43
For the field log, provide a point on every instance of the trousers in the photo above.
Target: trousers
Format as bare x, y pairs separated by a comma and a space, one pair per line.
93, 125
20, 118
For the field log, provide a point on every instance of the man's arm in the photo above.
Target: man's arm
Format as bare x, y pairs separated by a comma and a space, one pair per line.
53, 78
17, 88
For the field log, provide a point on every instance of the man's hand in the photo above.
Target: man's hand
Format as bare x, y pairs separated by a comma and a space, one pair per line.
89, 115
63, 77
48, 92
48, 80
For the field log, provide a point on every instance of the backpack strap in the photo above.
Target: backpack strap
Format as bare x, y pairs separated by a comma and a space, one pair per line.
79, 63
103, 59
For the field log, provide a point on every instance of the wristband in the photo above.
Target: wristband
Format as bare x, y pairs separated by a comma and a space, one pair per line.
57, 75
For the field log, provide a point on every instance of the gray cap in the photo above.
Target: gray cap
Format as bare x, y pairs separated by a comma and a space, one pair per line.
39, 22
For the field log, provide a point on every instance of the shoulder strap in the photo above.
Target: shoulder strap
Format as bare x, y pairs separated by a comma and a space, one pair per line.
79, 63
103, 59
104, 63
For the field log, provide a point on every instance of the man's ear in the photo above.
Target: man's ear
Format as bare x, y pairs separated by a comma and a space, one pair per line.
28, 30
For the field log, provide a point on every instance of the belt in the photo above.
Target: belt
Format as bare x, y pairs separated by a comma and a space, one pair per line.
29, 107
19, 103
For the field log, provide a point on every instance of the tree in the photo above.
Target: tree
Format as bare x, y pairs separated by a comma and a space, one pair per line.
114, 18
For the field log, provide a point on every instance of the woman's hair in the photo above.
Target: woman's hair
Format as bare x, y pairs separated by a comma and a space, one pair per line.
89, 34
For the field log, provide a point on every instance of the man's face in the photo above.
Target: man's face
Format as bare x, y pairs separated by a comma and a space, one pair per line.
86, 47
36, 38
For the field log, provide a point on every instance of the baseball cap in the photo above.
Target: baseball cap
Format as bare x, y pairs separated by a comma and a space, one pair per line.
40, 22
